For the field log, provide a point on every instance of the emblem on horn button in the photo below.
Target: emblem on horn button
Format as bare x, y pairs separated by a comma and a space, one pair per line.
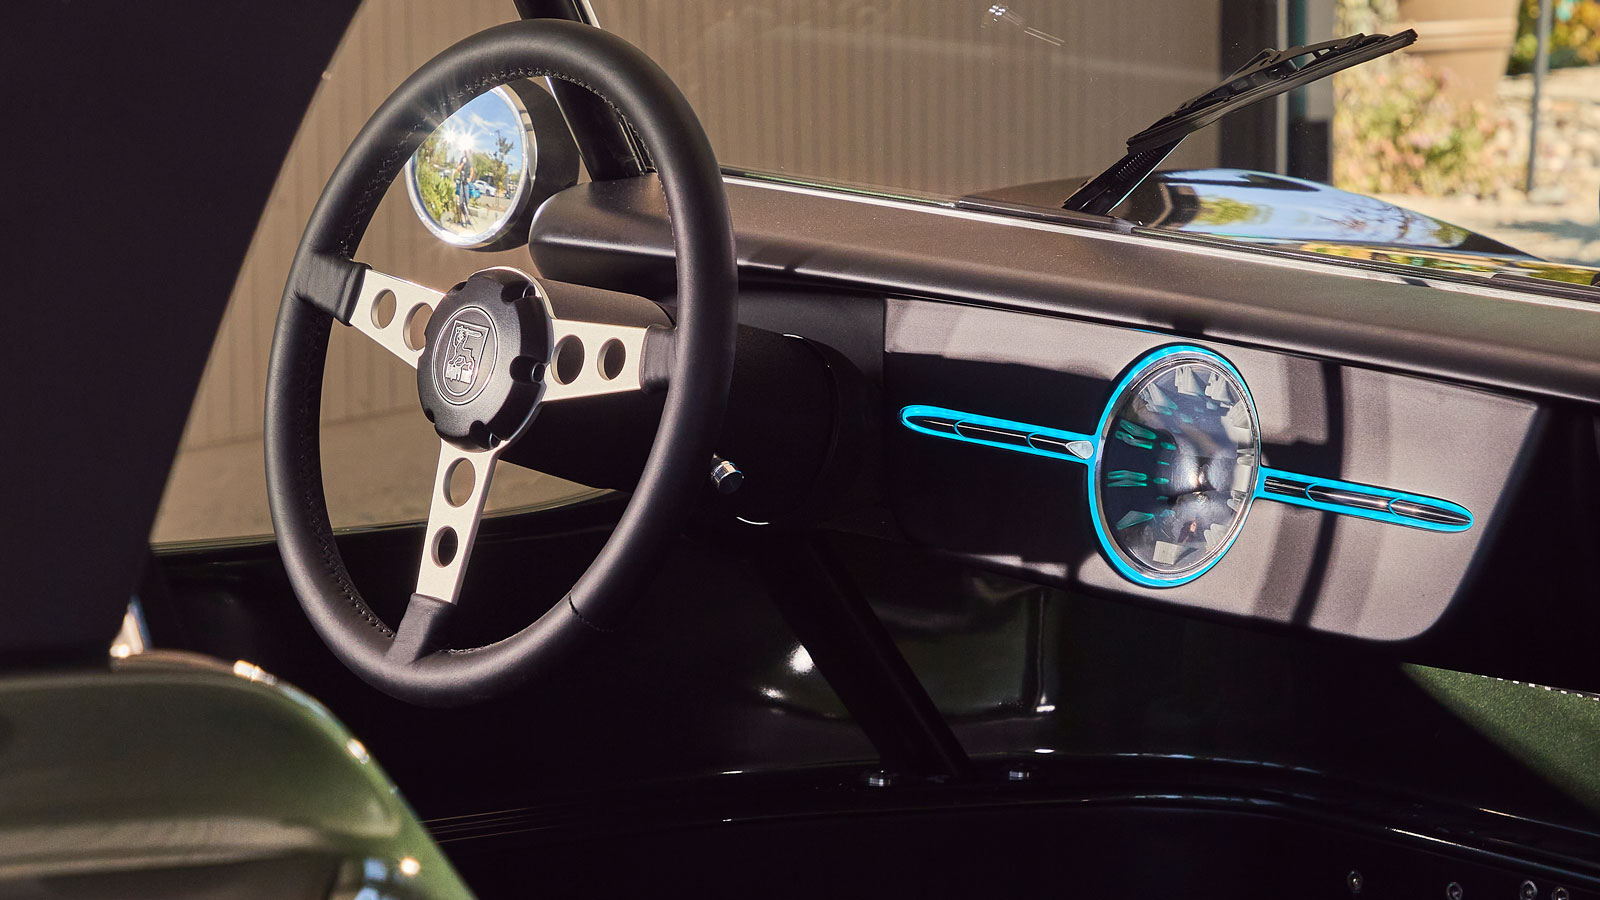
467, 359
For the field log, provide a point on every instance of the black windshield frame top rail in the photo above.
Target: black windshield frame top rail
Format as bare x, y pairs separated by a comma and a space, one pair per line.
1267, 74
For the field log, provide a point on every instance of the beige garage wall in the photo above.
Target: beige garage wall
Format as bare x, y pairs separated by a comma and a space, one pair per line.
940, 96
387, 41
378, 451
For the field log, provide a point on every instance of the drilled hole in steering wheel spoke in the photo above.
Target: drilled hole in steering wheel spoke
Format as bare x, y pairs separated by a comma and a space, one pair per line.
611, 358
383, 307
459, 482
445, 545
568, 364
416, 336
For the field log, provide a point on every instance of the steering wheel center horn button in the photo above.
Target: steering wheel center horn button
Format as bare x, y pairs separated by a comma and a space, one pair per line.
479, 378
468, 358
1175, 465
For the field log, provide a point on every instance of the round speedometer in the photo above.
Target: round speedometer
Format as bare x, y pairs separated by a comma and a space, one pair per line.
1179, 449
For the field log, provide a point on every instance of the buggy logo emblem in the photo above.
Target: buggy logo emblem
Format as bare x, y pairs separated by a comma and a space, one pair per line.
465, 359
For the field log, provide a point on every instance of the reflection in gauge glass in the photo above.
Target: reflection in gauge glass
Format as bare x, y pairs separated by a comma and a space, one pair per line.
468, 181
1179, 449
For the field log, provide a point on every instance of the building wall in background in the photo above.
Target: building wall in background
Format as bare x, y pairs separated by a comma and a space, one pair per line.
923, 96
937, 96
387, 41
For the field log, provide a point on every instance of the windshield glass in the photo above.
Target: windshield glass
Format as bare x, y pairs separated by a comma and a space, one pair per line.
946, 97
1023, 101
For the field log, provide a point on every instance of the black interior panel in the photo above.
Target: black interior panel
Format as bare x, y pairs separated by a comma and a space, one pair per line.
614, 234
1030, 515
1428, 385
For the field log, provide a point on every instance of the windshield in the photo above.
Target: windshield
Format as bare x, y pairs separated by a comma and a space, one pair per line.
945, 99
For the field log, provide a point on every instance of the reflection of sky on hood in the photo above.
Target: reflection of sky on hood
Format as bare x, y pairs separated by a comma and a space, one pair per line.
1233, 203
475, 126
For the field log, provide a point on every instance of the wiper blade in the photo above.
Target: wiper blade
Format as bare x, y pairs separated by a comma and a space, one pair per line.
1267, 74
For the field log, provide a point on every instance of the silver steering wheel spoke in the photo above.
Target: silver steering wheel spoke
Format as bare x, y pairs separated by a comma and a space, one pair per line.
453, 517
390, 311
588, 359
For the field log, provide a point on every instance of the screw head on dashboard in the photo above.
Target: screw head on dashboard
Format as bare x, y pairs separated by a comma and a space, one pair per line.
1354, 881
1528, 891
1453, 891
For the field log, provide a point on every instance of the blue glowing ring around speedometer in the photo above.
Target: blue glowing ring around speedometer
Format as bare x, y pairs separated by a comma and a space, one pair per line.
1174, 476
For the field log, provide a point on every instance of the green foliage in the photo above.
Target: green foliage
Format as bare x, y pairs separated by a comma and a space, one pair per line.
489, 169
432, 150
436, 191
1395, 130
1218, 211
1574, 35
1366, 17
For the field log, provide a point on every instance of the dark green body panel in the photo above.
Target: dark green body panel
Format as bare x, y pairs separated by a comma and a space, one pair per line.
169, 775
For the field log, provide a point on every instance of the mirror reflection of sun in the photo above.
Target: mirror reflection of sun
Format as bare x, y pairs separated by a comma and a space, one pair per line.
476, 126
457, 137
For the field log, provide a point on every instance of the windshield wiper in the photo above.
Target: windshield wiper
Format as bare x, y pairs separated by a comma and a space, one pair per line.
1267, 74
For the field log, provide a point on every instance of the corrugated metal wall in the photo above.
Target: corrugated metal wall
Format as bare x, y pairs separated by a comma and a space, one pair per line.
942, 97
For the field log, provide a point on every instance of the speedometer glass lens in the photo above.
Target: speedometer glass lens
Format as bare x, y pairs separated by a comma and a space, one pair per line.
1176, 471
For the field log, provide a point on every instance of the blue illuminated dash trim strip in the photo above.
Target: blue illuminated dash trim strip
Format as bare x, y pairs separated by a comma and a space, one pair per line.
1377, 515
956, 418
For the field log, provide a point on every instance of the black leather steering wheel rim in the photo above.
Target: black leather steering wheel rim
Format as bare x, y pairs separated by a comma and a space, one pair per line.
701, 369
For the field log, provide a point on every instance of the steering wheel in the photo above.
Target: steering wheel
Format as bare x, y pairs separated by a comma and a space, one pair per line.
500, 345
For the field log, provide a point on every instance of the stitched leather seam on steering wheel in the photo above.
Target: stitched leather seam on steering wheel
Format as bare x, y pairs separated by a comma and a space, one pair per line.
593, 625
584, 619
307, 460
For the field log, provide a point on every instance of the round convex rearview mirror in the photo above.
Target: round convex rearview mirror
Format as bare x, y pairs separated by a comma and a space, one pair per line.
477, 179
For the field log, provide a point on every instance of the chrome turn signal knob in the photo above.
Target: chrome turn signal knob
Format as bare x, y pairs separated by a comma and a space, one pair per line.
725, 476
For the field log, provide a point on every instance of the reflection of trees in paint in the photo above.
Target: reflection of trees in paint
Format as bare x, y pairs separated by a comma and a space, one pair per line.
1485, 265
1371, 218
1552, 272
1215, 210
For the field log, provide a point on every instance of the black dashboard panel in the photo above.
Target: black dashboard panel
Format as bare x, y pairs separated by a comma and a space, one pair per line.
614, 234
1029, 515
1471, 394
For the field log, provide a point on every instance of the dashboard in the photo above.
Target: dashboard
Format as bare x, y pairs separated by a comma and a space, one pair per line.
1332, 491
1396, 459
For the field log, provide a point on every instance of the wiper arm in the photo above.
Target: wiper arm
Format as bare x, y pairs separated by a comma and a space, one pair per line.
1267, 74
